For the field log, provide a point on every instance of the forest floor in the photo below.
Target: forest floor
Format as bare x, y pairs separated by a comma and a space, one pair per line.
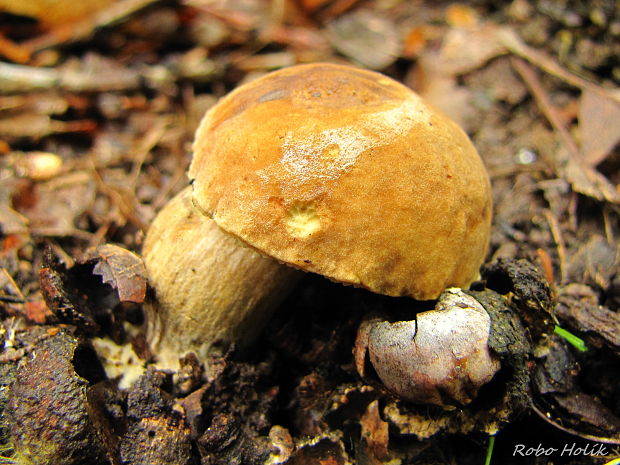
98, 110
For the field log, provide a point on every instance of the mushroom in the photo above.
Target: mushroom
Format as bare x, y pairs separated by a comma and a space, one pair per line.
209, 287
442, 357
325, 168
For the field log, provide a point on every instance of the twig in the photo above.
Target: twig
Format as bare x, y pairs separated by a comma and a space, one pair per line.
61, 232
609, 232
512, 42
582, 177
545, 105
11, 299
556, 232
545, 261
18, 78
164, 193
148, 142
127, 209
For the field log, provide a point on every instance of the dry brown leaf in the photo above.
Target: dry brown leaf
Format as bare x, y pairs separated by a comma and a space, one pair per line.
599, 124
465, 50
589, 410
595, 261
462, 50
51, 208
12, 222
365, 37
586, 180
121, 269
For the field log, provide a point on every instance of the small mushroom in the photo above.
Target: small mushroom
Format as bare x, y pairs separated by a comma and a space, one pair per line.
325, 168
441, 358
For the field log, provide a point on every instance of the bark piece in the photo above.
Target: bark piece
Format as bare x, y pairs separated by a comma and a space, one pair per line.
156, 432
50, 416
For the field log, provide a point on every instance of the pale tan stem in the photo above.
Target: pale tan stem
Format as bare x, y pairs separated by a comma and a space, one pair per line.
209, 287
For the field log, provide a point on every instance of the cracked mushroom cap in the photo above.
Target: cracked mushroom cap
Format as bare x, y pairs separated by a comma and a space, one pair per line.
349, 174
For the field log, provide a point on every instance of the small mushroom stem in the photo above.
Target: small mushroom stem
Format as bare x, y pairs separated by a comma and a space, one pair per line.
209, 287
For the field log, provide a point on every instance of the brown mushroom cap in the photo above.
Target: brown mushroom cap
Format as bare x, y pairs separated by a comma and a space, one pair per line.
349, 174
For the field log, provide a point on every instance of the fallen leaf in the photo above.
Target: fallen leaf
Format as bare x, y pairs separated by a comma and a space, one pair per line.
464, 50
599, 124
585, 179
596, 261
53, 207
366, 38
12, 222
414, 42
589, 410
310, 6
11, 298
121, 269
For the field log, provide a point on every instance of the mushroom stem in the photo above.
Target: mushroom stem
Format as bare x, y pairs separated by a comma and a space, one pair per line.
209, 287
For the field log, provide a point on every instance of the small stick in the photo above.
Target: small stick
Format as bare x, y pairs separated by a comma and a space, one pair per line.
559, 241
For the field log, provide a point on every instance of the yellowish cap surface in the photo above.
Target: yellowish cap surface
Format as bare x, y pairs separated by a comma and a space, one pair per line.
349, 174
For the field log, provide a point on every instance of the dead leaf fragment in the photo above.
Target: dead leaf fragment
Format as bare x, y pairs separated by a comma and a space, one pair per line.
121, 269
585, 179
589, 410
596, 261
465, 50
53, 207
599, 124
366, 38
